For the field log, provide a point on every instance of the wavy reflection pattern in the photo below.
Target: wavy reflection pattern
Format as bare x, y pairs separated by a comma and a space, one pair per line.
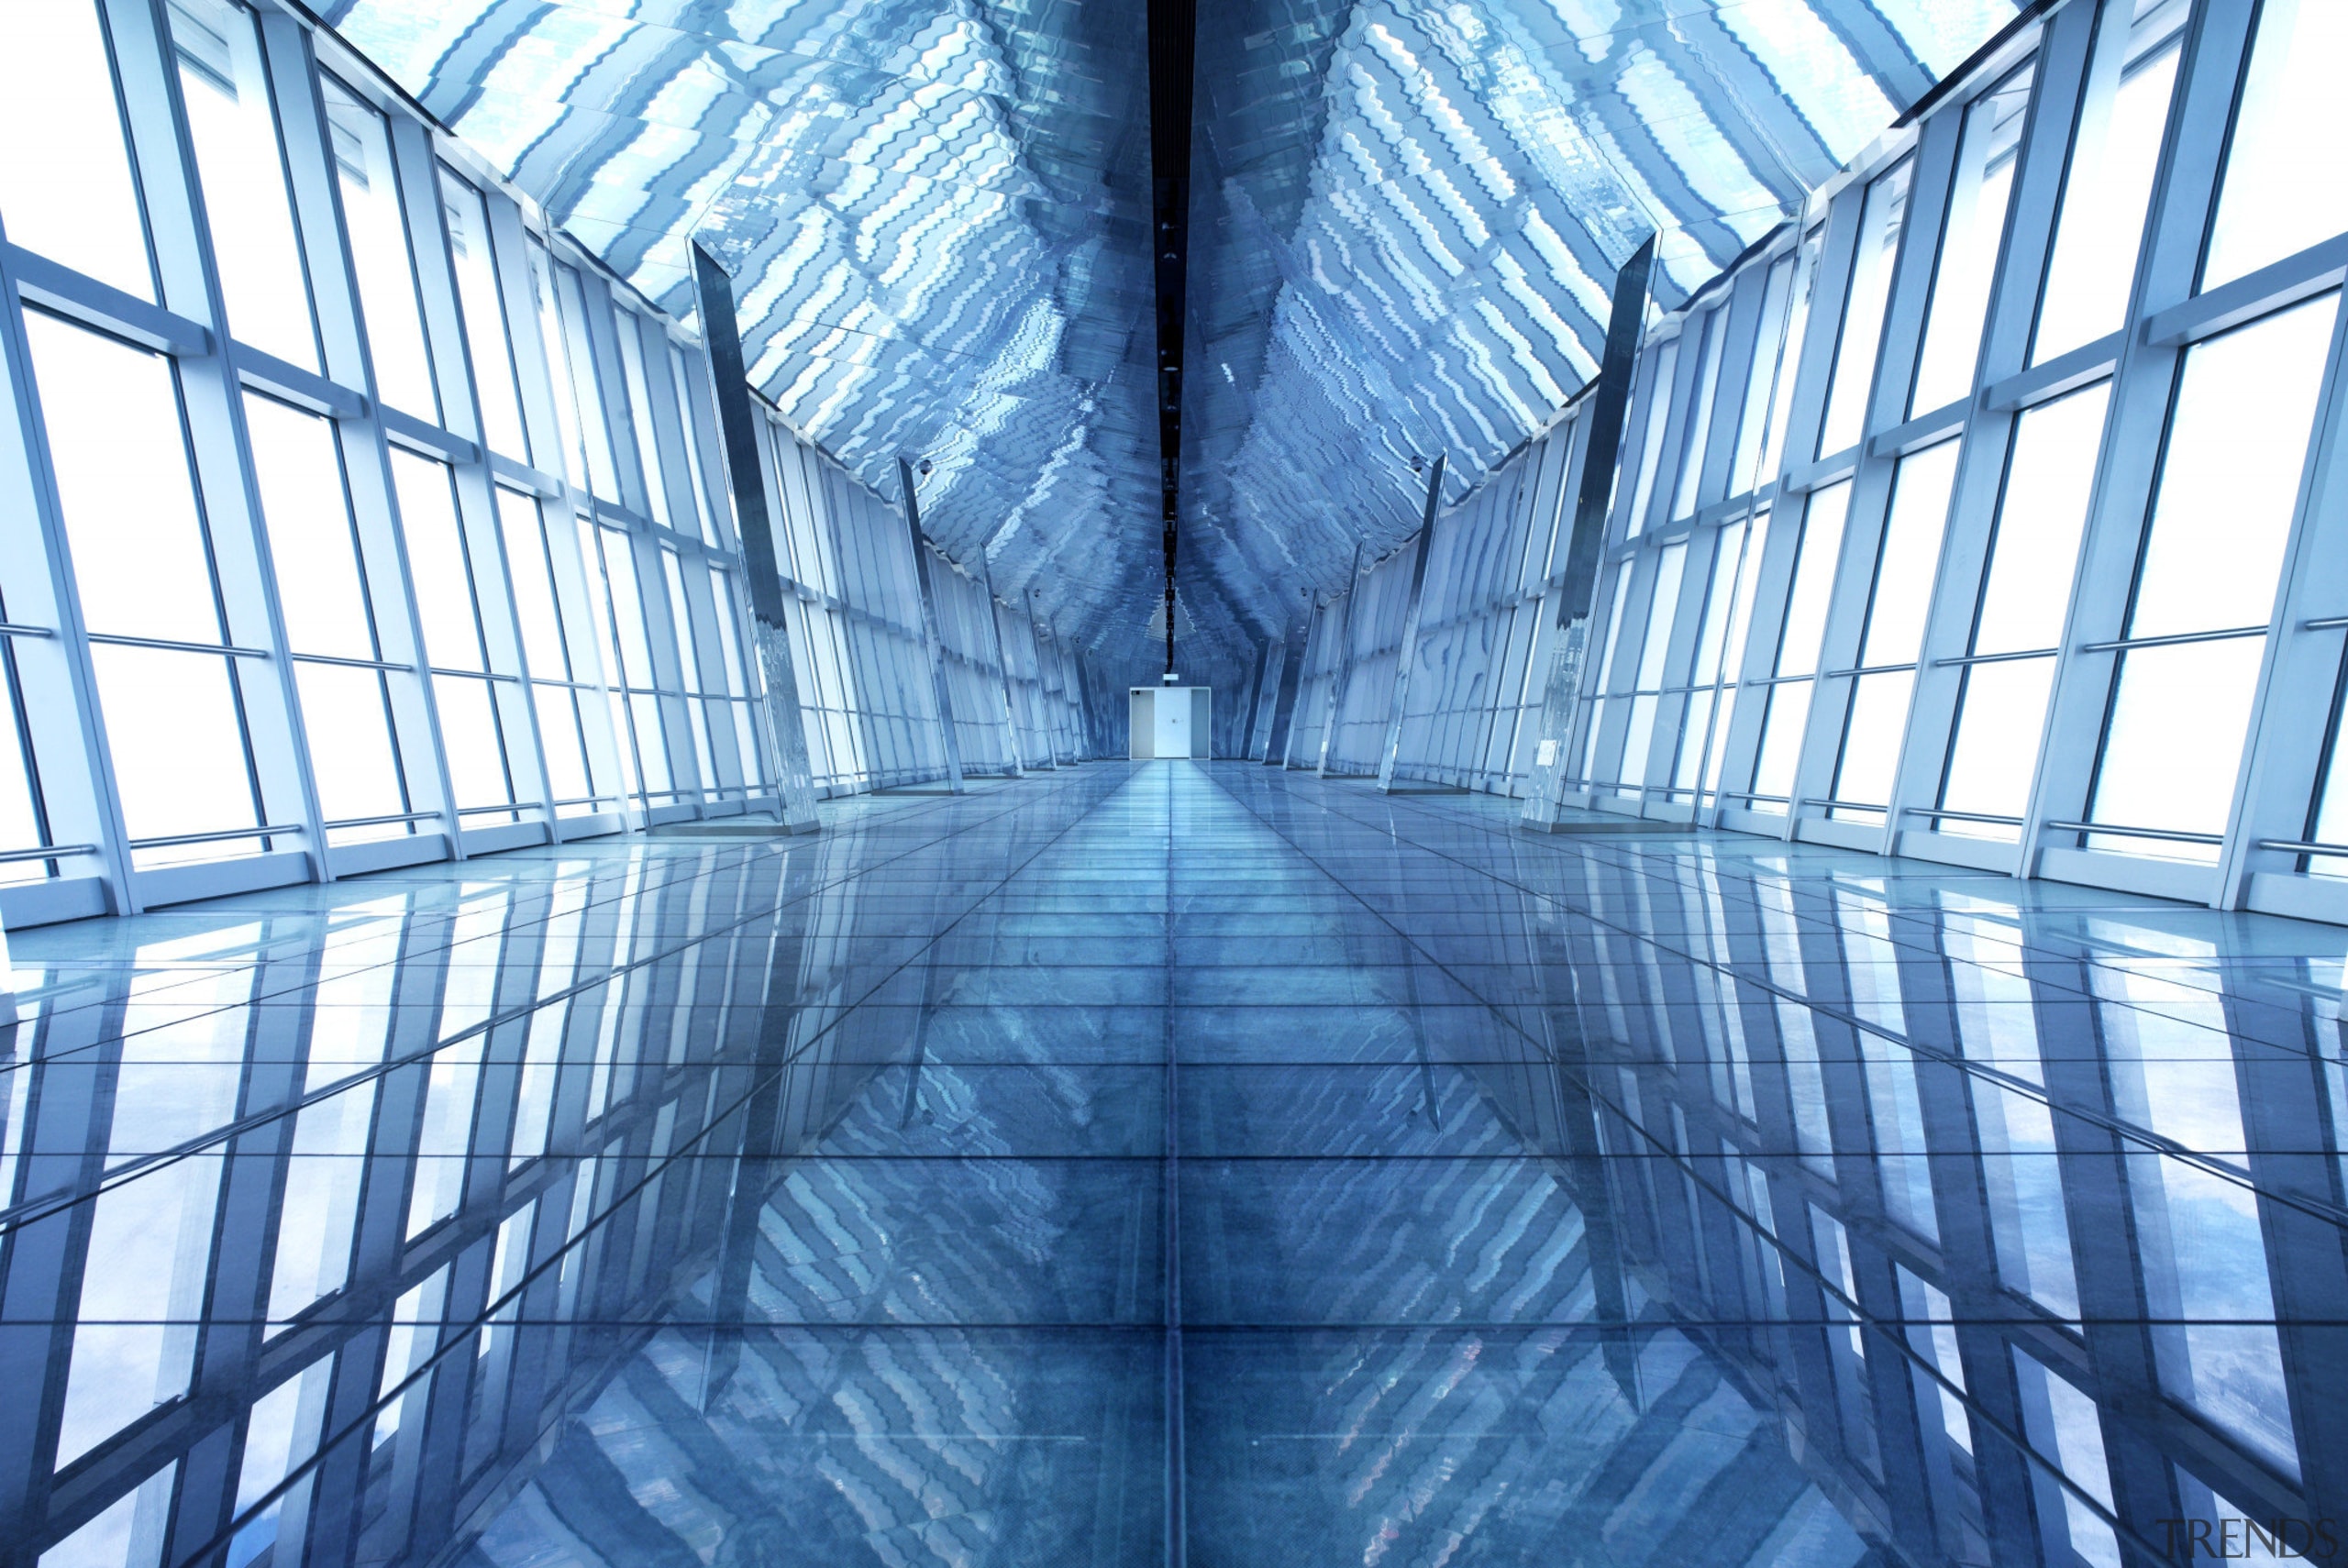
1406, 219
935, 217
696, 1199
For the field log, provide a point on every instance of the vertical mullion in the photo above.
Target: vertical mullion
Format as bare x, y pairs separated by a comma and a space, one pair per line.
37, 572
1932, 168
2143, 385
415, 706
212, 400
2060, 72
375, 508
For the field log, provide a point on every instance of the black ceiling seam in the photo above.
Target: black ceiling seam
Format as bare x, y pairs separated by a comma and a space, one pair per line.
1173, 45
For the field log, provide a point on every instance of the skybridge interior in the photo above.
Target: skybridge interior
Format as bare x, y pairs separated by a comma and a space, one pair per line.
1745, 969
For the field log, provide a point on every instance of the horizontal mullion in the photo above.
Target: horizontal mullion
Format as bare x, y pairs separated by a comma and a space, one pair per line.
218, 835
2109, 830
58, 288
53, 851
385, 820
173, 645
347, 662
2175, 639
1941, 813
18, 629
2009, 658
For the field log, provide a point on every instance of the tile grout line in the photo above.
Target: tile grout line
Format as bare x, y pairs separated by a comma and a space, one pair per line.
2012, 1083
450, 1343
1177, 1524
1883, 1329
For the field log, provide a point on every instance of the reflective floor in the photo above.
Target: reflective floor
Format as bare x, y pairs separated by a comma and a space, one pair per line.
1172, 1162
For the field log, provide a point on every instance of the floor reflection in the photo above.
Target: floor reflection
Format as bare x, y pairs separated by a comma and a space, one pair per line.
1175, 1163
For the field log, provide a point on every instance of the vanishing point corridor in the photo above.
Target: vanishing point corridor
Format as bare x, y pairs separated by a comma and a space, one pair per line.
1153, 1162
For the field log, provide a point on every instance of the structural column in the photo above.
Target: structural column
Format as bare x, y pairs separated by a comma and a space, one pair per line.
736, 424
1624, 320
1257, 742
937, 682
1409, 653
1003, 667
1345, 665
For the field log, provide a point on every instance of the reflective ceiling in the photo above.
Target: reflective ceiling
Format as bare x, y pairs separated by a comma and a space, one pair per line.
1405, 221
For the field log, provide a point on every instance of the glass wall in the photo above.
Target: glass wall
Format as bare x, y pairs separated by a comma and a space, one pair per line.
433, 555
2051, 587
1990, 515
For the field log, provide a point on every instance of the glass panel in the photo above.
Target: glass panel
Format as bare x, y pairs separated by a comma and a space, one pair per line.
1789, 357
1656, 646
1753, 424
2229, 486
2230, 479
1699, 420
1667, 368
317, 1220
682, 377
2174, 740
2285, 187
1969, 240
534, 590
76, 203
469, 738
2002, 714
2022, 1180
627, 609
2109, 187
1720, 595
177, 741
321, 588
1880, 224
489, 343
593, 420
1911, 555
436, 561
1637, 736
1871, 737
128, 1533
639, 409
1781, 735
555, 344
2064, 1426
346, 716
681, 617
142, 1302
112, 412
446, 1133
721, 593
651, 742
2050, 474
235, 130
1822, 549
558, 732
2331, 801
23, 817
377, 224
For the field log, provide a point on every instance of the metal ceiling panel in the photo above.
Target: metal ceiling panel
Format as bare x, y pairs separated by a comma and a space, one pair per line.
1405, 220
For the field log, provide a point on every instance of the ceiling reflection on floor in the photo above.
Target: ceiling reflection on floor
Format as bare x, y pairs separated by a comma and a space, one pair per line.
722, 1202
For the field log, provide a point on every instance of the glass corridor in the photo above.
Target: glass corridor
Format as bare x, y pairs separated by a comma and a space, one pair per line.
1174, 1162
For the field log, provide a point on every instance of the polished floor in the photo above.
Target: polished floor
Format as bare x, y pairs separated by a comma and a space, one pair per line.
1171, 1163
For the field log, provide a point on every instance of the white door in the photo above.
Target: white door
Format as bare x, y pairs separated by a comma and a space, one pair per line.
1173, 723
